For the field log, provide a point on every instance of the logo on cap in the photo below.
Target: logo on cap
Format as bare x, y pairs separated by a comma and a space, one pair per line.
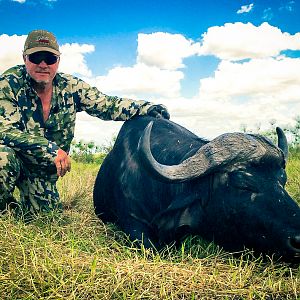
43, 40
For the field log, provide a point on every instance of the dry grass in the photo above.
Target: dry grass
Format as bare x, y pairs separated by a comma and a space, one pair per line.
72, 255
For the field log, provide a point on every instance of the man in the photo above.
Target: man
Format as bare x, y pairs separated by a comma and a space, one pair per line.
37, 117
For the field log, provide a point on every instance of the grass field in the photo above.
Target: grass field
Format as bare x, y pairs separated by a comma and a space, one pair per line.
72, 255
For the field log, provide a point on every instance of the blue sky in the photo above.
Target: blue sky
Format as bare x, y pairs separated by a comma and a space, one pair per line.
113, 38
93, 18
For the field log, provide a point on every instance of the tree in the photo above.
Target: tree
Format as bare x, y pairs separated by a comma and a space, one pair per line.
293, 132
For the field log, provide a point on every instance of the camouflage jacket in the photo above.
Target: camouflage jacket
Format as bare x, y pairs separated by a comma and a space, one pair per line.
23, 128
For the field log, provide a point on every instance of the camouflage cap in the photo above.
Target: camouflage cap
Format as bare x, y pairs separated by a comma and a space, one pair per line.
41, 40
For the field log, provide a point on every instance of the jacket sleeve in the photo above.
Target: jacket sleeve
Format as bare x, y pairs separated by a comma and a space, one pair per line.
107, 107
35, 150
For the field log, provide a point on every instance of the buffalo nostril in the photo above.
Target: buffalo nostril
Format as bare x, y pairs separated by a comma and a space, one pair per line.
295, 242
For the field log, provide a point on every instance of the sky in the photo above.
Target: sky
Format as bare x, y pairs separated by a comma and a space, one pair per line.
219, 66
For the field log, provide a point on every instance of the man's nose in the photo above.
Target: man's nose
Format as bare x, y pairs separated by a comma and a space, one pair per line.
43, 64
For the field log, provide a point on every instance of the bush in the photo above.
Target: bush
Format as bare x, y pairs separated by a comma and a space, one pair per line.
89, 152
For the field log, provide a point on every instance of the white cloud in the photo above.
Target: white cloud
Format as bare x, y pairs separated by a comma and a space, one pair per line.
20, 1
155, 73
258, 78
264, 87
73, 59
245, 9
140, 80
11, 48
237, 41
165, 50
252, 92
90, 128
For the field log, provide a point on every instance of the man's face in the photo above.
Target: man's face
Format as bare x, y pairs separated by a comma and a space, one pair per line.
42, 66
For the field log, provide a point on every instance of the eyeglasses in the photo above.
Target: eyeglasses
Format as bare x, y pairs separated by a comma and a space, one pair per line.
47, 57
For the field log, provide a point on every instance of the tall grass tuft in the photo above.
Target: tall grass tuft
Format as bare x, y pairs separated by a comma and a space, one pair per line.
73, 255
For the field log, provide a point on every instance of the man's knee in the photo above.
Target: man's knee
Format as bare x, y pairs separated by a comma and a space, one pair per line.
39, 194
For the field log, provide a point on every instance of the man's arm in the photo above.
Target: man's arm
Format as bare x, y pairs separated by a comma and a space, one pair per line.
33, 149
95, 103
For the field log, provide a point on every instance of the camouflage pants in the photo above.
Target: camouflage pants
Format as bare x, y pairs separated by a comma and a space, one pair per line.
38, 192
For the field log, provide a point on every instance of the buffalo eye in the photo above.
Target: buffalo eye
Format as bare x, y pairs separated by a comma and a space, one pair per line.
244, 181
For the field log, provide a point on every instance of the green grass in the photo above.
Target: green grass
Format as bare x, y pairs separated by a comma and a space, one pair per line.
73, 255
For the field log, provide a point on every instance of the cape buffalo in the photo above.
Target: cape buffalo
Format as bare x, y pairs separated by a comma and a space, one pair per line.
161, 182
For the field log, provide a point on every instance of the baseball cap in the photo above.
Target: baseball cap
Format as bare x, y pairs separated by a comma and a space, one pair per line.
41, 40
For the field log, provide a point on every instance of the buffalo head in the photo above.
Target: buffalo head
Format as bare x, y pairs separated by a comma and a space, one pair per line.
239, 180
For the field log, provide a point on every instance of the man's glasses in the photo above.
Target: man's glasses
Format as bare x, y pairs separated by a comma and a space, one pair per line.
47, 57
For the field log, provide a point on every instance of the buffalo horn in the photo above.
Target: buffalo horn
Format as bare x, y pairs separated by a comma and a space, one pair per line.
221, 151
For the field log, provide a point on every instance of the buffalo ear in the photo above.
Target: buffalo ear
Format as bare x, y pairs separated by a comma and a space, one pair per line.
282, 142
181, 218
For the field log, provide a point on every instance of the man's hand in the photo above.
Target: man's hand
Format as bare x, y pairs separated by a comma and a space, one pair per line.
62, 162
158, 111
